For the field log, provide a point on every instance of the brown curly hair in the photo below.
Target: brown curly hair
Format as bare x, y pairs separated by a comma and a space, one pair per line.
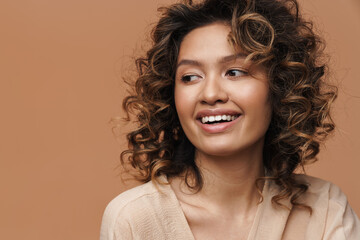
273, 34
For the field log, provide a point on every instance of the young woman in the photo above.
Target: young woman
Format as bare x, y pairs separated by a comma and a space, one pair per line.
230, 101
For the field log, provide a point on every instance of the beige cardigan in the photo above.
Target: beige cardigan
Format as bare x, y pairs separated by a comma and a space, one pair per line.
144, 213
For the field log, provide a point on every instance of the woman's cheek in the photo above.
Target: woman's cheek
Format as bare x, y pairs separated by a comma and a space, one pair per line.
182, 101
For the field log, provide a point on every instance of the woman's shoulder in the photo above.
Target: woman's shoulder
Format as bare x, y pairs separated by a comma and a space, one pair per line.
330, 205
124, 208
133, 200
320, 189
138, 211
130, 197
322, 194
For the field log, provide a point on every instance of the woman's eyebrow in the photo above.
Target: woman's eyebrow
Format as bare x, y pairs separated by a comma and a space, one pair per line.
232, 57
221, 60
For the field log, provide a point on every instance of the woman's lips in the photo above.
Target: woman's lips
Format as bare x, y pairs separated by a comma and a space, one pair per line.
217, 127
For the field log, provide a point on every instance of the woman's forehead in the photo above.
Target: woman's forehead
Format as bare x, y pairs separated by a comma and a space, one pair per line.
210, 41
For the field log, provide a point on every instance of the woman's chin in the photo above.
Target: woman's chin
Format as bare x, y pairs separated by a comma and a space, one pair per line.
219, 151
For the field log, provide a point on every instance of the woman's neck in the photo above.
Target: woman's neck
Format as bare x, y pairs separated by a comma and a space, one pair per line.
228, 183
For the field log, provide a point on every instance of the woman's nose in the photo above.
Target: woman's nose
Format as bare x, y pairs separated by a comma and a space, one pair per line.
213, 91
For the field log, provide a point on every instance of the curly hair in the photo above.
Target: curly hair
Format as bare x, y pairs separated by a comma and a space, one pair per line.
271, 33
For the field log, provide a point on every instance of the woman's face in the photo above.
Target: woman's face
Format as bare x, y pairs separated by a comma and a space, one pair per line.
222, 109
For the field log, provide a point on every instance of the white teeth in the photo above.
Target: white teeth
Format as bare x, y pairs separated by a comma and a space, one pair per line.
218, 118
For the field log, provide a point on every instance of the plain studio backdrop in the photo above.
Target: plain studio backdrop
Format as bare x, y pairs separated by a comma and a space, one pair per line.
61, 64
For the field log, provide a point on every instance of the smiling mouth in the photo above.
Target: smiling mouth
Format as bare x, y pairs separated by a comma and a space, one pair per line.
217, 119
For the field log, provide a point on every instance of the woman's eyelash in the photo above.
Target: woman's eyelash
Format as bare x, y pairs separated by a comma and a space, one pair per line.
231, 72
236, 72
187, 78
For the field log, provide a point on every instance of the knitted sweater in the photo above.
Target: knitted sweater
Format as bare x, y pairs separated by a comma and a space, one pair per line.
152, 212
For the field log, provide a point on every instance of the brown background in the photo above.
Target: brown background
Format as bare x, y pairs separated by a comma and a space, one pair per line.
60, 68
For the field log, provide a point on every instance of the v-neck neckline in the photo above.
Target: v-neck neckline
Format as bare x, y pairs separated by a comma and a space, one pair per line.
181, 215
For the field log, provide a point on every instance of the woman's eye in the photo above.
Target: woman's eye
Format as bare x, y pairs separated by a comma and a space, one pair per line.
189, 78
235, 73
